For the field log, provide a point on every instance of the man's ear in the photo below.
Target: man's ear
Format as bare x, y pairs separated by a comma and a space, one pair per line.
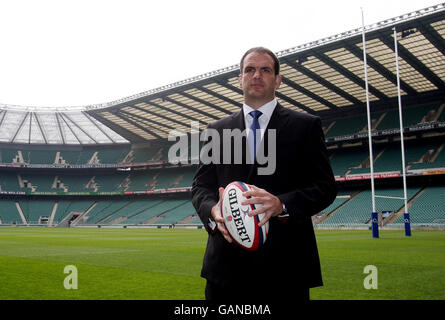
240, 81
277, 81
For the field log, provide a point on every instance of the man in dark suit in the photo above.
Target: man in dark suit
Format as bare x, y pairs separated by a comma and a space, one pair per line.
301, 185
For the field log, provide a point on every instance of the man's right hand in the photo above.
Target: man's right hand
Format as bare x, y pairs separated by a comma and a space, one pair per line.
218, 218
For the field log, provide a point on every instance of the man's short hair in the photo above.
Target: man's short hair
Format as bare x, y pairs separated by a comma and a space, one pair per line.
265, 51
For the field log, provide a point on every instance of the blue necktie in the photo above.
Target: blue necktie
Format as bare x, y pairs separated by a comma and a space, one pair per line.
254, 135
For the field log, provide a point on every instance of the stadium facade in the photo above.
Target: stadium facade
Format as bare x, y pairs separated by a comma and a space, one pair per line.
108, 165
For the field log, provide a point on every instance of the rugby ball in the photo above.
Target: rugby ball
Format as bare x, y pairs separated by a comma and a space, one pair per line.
243, 229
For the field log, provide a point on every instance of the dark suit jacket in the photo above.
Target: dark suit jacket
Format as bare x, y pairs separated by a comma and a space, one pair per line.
304, 182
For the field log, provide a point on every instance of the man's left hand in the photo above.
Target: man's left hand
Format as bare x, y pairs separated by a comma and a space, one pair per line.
271, 205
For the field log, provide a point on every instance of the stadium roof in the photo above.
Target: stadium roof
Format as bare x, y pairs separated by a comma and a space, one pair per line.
323, 77
20, 125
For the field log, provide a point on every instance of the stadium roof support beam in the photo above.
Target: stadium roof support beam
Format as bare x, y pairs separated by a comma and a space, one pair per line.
60, 128
379, 68
185, 94
293, 102
29, 128
99, 128
308, 93
41, 128
145, 120
149, 102
414, 62
219, 96
432, 36
119, 115
69, 127
121, 130
171, 110
348, 74
3, 112
19, 126
323, 82
80, 128
160, 115
190, 107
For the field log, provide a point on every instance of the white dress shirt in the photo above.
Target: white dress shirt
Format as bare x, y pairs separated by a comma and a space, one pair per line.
266, 109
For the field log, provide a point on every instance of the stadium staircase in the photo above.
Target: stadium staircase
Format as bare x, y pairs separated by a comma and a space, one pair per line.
22, 216
80, 217
53, 212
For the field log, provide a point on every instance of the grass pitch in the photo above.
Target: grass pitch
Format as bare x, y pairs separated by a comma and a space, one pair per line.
164, 264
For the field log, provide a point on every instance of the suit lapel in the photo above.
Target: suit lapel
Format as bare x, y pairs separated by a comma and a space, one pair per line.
239, 170
238, 120
277, 121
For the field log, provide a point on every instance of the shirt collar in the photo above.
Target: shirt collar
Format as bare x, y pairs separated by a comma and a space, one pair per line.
267, 109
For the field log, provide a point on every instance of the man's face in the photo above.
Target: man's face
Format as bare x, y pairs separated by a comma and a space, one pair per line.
258, 80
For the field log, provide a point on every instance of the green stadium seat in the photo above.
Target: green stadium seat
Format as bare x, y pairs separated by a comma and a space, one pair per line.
347, 126
65, 207
34, 209
428, 208
178, 213
9, 213
357, 210
142, 211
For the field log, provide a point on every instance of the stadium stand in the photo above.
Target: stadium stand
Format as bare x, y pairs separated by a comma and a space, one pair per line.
180, 212
9, 181
343, 161
34, 210
111, 168
103, 209
347, 126
146, 212
49, 174
354, 212
428, 209
9, 213
65, 208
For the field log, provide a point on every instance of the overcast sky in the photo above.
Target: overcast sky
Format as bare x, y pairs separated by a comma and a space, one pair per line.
58, 53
